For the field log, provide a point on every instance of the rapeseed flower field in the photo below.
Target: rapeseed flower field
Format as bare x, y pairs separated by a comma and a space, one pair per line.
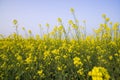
62, 54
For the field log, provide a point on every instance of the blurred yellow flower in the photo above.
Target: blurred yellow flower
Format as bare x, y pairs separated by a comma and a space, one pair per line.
80, 71
70, 22
107, 19
15, 21
77, 62
47, 25
104, 15
71, 10
19, 58
116, 54
99, 73
46, 54
59, 20
65, 56
55, 51
41, 74
59, 68
110, 57
29, 31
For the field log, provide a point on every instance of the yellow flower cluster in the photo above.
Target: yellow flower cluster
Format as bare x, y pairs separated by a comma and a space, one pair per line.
77, 62
99, 73
40, 72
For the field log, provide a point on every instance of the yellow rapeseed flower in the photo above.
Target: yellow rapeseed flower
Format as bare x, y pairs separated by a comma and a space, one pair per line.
40, 72
107, 19
104, 15
110, 57
29, 31
57, 57
80, 71
55, 51
19, 58
28, 60
46, 54
47, 25
70, 22
116, 54
59, 20
15, 21
97, 73
77, 61
71, 10
65, 56
119, 51
59, 68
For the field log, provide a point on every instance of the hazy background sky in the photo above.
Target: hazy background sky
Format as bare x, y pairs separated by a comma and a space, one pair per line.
30, 13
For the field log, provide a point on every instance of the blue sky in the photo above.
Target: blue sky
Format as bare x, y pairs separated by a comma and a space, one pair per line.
30, 13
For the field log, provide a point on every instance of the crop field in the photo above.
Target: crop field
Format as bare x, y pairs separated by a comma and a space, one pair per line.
65, 53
